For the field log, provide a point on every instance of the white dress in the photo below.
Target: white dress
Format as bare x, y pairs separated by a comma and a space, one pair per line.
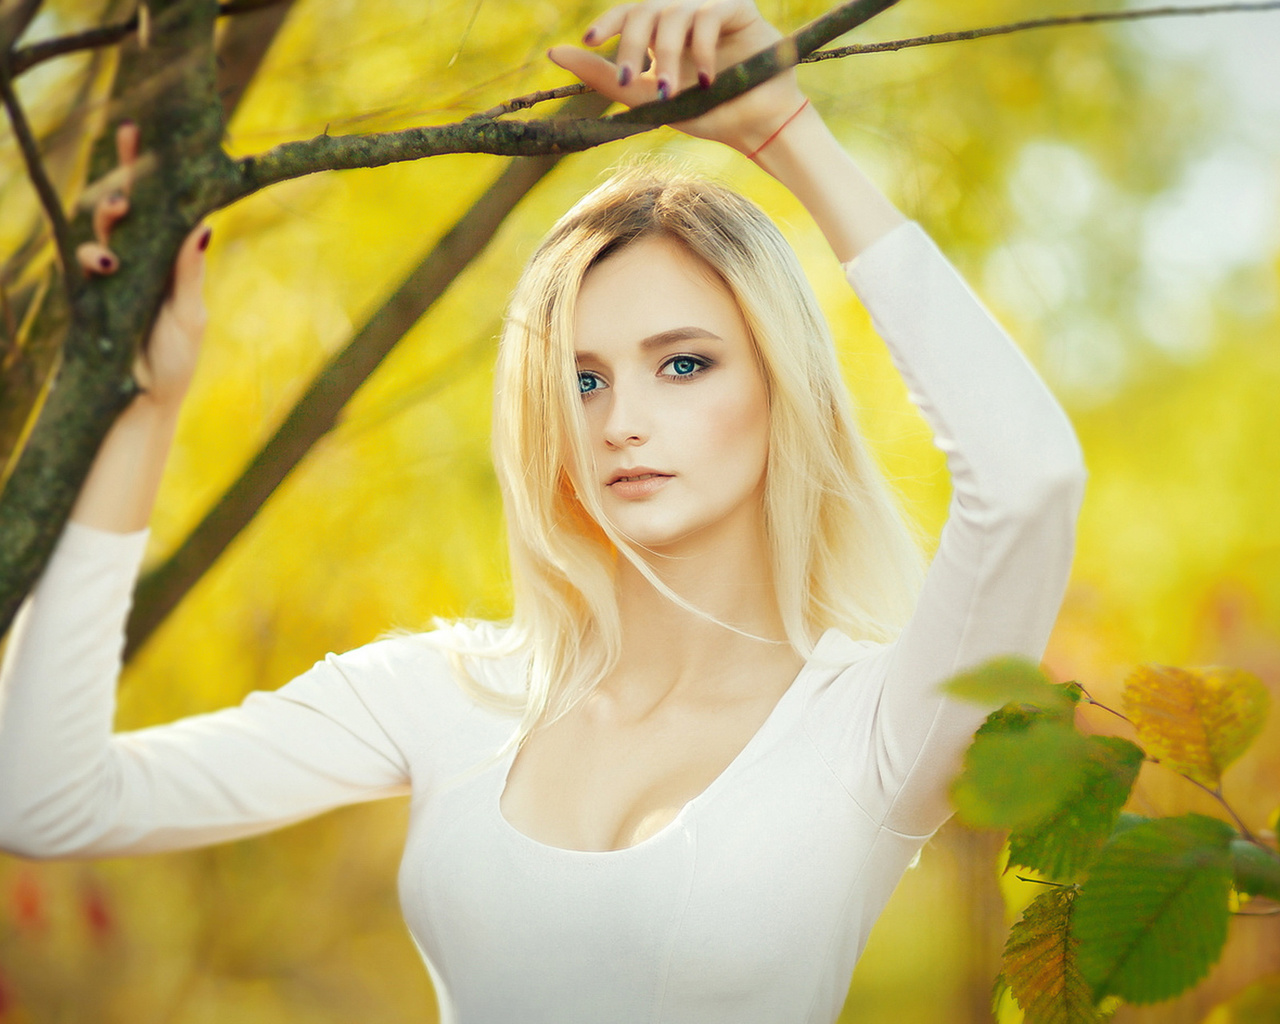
755, 902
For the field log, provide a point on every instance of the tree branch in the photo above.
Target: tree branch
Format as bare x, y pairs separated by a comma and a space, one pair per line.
534, 98
49, 197
317, 411
27, 57
481, 134
1034, 23
15, 21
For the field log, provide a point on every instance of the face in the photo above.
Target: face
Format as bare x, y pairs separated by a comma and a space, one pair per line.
675, 404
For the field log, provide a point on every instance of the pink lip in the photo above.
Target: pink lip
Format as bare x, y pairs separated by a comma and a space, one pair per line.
638, 482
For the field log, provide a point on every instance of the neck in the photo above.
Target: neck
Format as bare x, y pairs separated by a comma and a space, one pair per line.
668, 649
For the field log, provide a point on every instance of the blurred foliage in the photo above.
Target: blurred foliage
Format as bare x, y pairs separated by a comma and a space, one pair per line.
1045, 163
1138, 907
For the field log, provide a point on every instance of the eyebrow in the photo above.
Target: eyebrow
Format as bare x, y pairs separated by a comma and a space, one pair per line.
664, 338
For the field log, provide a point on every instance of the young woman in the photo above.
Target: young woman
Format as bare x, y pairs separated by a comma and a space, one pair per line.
682, 784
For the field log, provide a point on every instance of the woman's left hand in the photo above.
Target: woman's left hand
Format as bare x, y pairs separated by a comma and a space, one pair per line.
690, 42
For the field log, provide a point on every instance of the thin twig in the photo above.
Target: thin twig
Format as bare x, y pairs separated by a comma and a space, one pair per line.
835, 52
1056, 22
49, 197
27, 57
1089, 699
531, 100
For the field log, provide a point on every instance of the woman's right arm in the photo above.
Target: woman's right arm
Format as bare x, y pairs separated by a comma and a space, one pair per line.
68, 786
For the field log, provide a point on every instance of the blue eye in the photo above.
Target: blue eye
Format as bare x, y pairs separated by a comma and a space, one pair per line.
684, 366
588, 382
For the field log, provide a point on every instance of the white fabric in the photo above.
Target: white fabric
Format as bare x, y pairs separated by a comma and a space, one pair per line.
755, 902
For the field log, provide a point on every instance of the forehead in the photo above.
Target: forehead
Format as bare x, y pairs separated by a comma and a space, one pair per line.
654, 285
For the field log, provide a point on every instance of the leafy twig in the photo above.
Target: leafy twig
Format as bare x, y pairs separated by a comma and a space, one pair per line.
1216, 793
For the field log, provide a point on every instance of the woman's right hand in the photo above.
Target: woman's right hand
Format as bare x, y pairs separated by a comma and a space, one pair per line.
167, 362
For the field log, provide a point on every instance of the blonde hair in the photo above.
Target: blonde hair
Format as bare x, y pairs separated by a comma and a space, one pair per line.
842, 555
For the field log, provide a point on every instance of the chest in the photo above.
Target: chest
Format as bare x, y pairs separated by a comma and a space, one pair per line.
752, 899
596, 781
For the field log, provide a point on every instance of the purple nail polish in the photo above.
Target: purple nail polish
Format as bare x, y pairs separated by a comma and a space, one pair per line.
704, 80
624, 75
202, 243
104, 262
664, 89
590, 37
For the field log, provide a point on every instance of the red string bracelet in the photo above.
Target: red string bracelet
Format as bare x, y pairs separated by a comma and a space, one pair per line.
799, 110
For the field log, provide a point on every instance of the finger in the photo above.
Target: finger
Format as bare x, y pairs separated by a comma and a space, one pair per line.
670, 34
703, 37
601, 75
107, 214
96, 258
128, 138
633, 43
607, 25
186, 296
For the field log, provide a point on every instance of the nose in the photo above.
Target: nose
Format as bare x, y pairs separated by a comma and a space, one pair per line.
626, 423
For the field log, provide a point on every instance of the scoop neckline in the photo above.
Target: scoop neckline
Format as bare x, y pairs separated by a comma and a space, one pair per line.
772, 723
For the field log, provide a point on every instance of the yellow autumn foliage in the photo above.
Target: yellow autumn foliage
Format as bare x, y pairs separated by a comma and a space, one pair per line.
1033, 159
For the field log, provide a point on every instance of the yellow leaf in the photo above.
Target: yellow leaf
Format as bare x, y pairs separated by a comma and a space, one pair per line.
1196, 721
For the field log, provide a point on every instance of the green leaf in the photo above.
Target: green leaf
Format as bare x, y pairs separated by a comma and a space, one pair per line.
1040, 965
1256, 870
1153, 917
1065, 842
1018, 771
1012, 681
1196, 721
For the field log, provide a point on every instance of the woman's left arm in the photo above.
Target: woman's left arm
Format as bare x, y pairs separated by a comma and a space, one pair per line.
996, 582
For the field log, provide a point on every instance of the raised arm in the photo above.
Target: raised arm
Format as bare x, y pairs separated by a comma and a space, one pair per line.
997, 580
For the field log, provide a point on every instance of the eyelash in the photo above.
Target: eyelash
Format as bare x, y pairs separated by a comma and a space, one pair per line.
700, 365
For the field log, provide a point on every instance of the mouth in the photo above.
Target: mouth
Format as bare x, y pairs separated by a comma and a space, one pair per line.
637, 475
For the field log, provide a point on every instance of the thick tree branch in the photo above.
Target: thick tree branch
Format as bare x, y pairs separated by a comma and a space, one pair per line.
317, 411
49, 198
27, 57
169, 89
480, 134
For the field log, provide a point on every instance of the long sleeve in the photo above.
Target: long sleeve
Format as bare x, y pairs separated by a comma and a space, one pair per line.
996, 582
68, 787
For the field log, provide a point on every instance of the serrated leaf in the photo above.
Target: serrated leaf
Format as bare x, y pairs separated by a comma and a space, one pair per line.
1040, 965
1066, 841
1196, 721
1153, 917
1017, 773
1011, 680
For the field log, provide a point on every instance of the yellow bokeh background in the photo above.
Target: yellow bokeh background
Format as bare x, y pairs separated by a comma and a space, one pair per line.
1035, 159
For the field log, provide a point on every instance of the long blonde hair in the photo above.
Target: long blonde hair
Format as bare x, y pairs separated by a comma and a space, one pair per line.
842, 555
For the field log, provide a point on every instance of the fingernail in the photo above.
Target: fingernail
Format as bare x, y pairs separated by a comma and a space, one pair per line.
202, 243
590, 37
104, 262
704, 80
624, 75
664, 89
116, 197
128, 122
